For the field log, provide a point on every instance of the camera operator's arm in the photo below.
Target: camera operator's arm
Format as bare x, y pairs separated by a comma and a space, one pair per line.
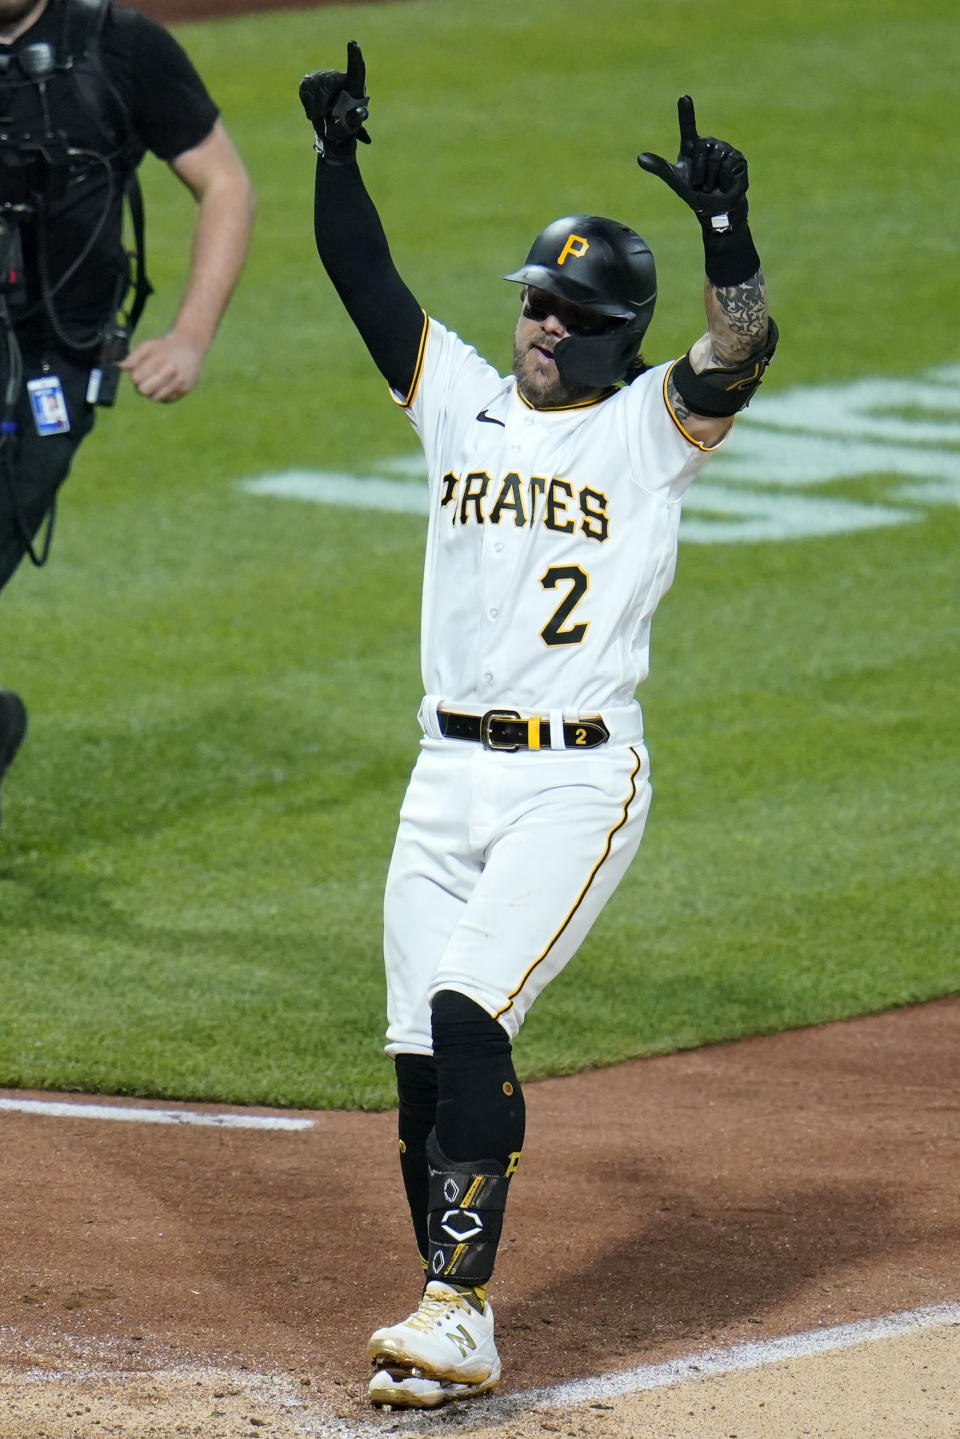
350, 238
166, 368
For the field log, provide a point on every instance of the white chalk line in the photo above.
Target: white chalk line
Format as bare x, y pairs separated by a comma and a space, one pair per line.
739, 1358
307, 1418
736, 1359
57, 1109
748, 1356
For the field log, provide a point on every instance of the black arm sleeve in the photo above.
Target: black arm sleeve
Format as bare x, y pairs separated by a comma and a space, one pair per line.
355, 254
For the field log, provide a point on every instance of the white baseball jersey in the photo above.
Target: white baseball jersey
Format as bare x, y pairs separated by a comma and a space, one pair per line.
552, 534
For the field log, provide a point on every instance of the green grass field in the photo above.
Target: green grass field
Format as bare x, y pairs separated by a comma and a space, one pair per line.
223, 685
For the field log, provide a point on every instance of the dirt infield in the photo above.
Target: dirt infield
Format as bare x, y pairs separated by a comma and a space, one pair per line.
158, 1276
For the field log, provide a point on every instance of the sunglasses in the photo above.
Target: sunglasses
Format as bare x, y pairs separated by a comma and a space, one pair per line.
575, 319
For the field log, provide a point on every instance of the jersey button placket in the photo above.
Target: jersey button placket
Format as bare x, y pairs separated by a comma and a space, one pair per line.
492, 585
497, 565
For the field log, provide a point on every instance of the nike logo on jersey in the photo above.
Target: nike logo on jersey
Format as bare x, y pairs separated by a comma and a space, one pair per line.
486, 419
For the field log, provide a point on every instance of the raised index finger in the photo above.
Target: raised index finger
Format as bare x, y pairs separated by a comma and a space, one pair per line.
688, 125
356, 69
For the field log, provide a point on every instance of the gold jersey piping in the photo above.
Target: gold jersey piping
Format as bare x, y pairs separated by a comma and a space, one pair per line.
686, 433
580, 897
407, 400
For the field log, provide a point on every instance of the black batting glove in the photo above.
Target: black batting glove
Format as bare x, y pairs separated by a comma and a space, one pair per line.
336, 104
710, 176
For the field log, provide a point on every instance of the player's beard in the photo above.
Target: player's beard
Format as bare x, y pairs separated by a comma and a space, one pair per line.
542, 386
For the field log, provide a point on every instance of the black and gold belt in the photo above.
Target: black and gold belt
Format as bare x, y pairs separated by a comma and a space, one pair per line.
506, 730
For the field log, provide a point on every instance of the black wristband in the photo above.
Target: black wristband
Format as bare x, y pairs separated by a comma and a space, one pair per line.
720, 392
340, 152
730, 256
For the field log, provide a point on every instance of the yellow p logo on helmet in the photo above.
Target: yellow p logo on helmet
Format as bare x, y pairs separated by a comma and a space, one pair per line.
574, 245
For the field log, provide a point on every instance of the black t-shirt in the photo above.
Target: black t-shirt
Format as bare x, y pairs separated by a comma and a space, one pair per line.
76, 202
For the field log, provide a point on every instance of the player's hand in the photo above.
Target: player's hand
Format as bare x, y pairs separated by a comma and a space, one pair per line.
709, 175
164, 369
336, 104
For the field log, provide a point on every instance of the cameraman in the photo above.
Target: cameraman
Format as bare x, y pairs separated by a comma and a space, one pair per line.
86, 88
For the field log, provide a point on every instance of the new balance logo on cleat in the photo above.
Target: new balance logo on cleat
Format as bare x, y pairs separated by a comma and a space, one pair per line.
463, 1340
444, 1350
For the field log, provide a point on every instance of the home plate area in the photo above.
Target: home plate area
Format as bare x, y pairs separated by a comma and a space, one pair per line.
755, 1238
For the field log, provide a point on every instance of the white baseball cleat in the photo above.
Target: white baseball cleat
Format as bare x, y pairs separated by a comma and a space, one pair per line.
444, 1350
407, 1392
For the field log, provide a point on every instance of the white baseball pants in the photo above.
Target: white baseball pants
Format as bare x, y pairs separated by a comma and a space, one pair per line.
501, 864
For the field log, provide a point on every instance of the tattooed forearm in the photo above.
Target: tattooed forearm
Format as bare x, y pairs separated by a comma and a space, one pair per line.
678, 404
731, 355
737, 318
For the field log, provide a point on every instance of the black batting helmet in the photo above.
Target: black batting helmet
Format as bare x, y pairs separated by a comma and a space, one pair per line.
602, 266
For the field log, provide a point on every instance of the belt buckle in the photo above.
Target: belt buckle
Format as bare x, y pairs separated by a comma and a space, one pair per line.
487, 739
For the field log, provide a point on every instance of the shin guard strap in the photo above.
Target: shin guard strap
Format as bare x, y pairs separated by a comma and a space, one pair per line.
466, 1205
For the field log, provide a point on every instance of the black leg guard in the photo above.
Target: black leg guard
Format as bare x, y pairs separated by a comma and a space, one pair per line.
480, 1109
417, 1098
466, 1217
476, 1147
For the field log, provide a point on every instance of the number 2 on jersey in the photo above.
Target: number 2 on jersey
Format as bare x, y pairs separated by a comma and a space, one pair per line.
579, 582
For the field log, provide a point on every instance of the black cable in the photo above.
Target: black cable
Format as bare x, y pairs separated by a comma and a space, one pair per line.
48, 291
67, 156
15, 359
8, 432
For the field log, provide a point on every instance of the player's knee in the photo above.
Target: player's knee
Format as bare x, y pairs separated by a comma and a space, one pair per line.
460, 1025
480, 1110
416, 1077
416, 1092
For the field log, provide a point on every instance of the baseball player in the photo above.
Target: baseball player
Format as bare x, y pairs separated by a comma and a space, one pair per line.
555, 498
